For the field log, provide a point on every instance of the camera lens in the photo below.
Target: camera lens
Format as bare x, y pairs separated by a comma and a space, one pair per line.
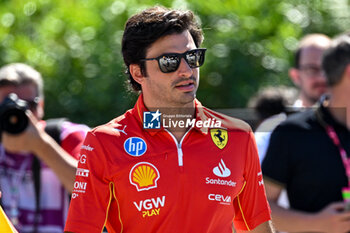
14, 121
13, 118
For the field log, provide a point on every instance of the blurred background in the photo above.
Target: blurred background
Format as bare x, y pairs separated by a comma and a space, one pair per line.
75, 44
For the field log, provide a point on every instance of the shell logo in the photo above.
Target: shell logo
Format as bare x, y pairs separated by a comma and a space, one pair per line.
144, 176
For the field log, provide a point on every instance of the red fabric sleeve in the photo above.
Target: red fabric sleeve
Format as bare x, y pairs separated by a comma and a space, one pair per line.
72, 143
251, 206
92, 194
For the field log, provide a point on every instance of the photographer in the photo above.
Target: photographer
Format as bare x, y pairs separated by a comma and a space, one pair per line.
36, 170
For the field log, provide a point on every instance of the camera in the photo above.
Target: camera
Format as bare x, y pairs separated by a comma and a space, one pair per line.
13, 118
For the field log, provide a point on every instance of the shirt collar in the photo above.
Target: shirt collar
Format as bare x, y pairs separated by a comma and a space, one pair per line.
140, 108
328, 118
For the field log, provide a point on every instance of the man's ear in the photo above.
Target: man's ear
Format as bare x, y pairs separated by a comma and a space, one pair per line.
135, 71
294, 76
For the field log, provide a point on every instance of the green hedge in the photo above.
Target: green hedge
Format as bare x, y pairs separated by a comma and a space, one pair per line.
75, 44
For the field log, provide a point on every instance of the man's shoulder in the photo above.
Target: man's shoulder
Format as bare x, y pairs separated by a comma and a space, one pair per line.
117, 126
300, 121
230, 123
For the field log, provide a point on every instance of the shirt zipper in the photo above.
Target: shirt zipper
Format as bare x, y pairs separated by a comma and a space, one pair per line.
179, 146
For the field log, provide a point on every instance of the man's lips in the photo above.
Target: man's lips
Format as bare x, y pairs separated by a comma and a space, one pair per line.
320, 87
185, 85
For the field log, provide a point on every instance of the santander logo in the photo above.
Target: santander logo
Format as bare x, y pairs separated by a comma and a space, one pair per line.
221, 170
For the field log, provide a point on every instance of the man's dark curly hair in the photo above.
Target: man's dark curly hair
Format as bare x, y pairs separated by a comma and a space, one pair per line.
336, 59
143, 29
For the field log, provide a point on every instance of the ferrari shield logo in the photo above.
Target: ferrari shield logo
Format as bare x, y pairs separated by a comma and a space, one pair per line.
219, 137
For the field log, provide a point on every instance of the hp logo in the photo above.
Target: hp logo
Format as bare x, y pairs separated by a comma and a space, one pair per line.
135, 146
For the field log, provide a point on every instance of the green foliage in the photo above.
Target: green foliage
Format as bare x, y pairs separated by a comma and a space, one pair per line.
76, 46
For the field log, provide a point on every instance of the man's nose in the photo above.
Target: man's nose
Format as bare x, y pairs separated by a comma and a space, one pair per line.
184, 69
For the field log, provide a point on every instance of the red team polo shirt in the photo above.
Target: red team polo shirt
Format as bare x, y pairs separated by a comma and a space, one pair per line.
134, 180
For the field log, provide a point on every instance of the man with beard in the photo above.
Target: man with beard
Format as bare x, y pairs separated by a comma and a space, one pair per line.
142, 175
308, 155
307, 73
308, 76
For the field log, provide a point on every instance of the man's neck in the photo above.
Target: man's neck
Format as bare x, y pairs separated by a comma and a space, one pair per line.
339, 106
175, 116
304, 102
172, 116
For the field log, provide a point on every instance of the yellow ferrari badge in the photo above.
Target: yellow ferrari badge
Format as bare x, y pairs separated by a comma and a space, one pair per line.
219, 137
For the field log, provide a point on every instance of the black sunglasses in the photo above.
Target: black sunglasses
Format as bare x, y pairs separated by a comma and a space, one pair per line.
170, 62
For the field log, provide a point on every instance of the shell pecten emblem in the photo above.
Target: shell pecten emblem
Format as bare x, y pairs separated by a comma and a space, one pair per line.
144, 176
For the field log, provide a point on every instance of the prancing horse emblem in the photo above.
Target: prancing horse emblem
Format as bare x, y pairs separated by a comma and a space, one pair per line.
219, 137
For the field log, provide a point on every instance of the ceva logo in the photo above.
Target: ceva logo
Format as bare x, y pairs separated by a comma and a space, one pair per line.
135, 146
225, 200
221, 170
144, 176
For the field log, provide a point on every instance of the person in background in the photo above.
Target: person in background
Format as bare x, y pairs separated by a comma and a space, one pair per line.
143, 175
308, 76
36, 172
309, 153
271, 105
